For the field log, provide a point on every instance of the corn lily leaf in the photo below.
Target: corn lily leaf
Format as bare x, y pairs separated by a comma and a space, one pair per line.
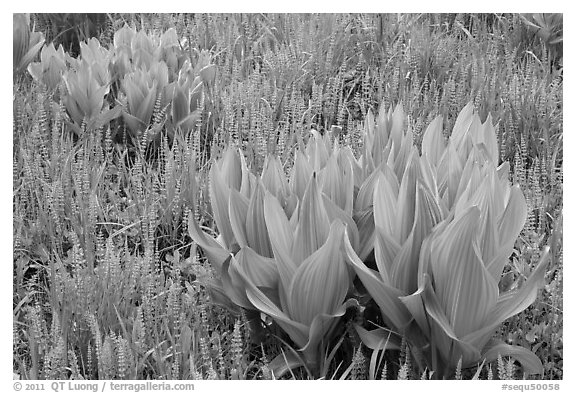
219, 195
106, 116
232, 286
385, 206
474, 171
237, 210
511, 303
169, 39
346, 163
503, 172
256, 230
142, 49
407, 200
285, 362
450, 171
510, 224
441, 328
379, 339
180, 104
297, 331
20, 37
429, 178
385, 251
365, 197
123, 38
320, 330
301, 175
146, 107
397, 127
274, 179
489, 241
28, 51
415, 305
321, 327
51, 67
216, 252
498, 241
461, 280
404, 154
382, 126
442, 335
490, 140
316, 151
315, 296
475, 131
281, 240
433, 141
377, 138
320, 284
462, 125
335, 213
220, 297
261, 271
366, 232
231, 169
134, 124
371, 140
208, 74
469, 187
386, 296
529, 361
347, 155
404, 269
248, 182
313, 224
332, 185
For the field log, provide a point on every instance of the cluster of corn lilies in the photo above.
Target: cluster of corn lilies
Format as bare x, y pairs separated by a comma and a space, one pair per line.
427, 233
147, 75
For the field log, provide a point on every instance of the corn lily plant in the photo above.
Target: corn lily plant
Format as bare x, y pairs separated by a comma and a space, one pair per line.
25, 43
85, 99
313, 278
141, 90
184, 112
144, 50
121, 62
387, 151
227, 174
458, 306
232, 192
171, 52
442, 238
51, 67
274, 247
98, 58
123, 40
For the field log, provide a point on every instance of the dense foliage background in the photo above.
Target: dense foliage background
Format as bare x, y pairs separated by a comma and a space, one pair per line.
107, 283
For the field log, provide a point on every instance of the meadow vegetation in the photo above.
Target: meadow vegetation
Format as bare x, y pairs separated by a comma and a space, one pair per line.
128, 131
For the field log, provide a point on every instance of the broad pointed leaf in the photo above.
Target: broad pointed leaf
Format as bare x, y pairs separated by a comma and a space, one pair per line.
530, 362
256, 229
433, 142
313, 224
216, 252
237, 209
465, 288
321, 282
384, 295
219, 195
